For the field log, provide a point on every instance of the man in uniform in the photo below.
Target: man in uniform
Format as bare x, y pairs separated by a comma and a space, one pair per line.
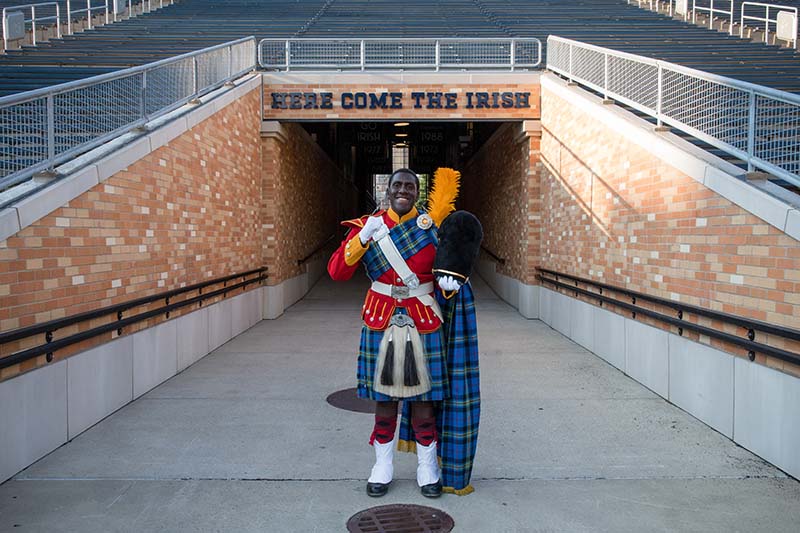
397, 247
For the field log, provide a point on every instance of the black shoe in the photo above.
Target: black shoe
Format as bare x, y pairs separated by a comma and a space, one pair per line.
434, 490
376, 490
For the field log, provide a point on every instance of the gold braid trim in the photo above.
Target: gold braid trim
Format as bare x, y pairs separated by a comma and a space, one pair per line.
408, 446
469, 489
451, 273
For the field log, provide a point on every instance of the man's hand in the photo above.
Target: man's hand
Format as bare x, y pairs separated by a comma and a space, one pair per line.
374, 227
449, 283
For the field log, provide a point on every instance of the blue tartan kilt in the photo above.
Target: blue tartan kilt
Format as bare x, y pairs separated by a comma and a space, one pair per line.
434, 355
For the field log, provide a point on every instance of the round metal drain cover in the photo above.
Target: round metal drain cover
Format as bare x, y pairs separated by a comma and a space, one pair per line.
400, 517
346, 399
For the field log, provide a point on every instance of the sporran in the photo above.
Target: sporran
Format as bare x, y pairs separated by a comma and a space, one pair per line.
402, 371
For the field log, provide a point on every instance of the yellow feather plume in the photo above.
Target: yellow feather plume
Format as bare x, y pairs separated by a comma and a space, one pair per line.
442, 198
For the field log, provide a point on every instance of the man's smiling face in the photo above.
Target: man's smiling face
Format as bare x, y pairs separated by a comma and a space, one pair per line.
402, 193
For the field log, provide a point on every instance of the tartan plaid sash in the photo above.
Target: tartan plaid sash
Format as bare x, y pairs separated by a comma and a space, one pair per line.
458, 417
409, 239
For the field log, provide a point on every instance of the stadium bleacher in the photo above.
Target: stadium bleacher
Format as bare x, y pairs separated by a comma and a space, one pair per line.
194, 24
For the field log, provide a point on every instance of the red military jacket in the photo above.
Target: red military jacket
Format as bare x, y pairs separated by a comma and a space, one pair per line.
378, 308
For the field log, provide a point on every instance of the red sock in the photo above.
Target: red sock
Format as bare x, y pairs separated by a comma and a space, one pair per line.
424, 430
384, 429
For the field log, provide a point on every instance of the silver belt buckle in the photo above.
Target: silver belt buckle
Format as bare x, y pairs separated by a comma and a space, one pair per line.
400, 292
401, 320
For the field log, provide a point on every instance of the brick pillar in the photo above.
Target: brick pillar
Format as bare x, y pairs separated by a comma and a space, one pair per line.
501, 186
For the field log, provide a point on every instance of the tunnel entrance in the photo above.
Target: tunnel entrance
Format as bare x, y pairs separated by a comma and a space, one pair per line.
368, 152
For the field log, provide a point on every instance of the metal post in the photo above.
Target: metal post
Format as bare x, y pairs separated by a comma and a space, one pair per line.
605, 76
288, 50
106, 11
751, 131
766, 28
69, 18
711, 16
143, 99
194, 76
362, 47
730, 30
570, 62
741, 25
659, 97
51, 130
438, 54
89, 13
694, 11
230, 62
58, 21
513, 54
33, 24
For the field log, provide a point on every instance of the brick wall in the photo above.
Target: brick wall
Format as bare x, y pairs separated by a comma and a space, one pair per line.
185, 213
301, 193
617, 214
500, 185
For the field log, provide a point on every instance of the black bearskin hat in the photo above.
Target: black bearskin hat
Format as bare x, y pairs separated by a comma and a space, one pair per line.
460, 238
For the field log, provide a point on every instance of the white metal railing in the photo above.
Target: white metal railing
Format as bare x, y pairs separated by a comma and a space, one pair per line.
42, 128
652, 4
713, 11
756, 124
366, 54
767, 20
9, 9
147, 7
89, 10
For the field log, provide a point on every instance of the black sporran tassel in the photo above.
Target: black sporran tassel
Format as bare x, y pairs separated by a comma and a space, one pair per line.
388, 365
410, 376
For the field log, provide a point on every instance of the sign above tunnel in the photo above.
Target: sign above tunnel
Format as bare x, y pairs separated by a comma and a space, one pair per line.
395, 100
429, 101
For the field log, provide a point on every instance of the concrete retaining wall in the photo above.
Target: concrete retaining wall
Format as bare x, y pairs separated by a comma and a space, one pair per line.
44, 408
751, 404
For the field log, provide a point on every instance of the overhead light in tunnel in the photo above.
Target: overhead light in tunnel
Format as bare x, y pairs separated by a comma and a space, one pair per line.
401, 134
401, 124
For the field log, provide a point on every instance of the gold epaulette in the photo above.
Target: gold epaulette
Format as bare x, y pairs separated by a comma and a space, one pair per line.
359, 222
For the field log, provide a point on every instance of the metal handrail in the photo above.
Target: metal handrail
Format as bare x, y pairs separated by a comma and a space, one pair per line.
493, 255
711, 11
751, 326
766, 20
48, 328
317, 249
365, 54
143, 3
32, 20
50, 125
653, 5
88, 10
762, 125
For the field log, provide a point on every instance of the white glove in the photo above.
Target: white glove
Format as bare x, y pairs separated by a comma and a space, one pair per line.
449, 283
374, 228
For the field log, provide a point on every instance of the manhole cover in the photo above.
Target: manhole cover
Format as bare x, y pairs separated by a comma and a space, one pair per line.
346, 399
406, 518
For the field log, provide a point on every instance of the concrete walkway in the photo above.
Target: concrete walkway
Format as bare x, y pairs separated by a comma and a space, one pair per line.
244, 441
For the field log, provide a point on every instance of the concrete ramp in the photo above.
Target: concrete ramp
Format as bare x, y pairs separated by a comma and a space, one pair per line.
243, 440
